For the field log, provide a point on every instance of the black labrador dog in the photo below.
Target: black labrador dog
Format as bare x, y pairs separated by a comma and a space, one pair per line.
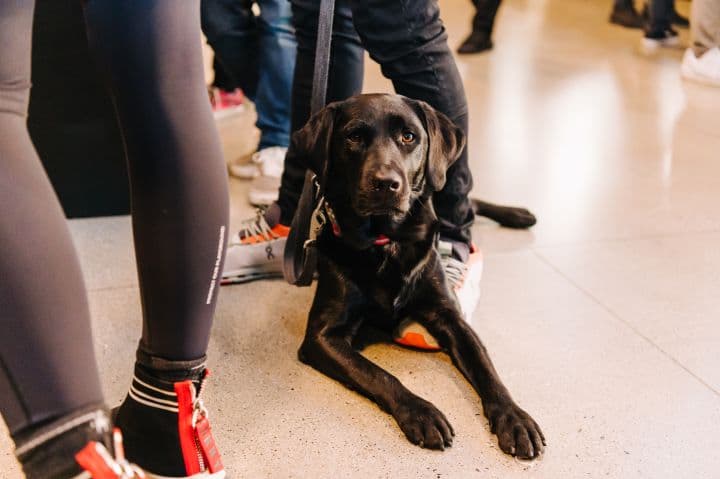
383, 156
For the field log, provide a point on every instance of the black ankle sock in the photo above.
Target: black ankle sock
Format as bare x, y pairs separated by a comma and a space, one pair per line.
48, 451
148, 417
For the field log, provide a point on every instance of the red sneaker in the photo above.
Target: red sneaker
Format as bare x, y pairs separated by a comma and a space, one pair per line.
225, 103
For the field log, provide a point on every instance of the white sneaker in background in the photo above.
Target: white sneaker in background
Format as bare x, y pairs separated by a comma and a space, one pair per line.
464, 279
256, 252
704, 69
268, 162
264, 188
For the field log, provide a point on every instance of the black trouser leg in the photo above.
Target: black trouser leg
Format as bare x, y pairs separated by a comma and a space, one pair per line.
345, 80
227, 24
409, 41
485, 12
661, 13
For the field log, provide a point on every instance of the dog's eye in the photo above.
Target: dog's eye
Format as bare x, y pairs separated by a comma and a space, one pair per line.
354, 137
408, 137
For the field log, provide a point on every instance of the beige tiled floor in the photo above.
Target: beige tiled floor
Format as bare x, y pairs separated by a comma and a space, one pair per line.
603, 319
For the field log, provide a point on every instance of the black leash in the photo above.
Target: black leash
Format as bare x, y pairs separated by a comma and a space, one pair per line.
300, 257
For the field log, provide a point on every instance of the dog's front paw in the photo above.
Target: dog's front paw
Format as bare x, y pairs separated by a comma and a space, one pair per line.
518, 434
424, 424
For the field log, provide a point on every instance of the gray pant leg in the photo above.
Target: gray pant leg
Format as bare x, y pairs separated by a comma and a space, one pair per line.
705, 25
47, 363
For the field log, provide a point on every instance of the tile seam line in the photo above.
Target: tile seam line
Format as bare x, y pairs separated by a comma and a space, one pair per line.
572, 243
624, 322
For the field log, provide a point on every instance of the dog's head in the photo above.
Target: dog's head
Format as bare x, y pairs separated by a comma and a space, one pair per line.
378, 153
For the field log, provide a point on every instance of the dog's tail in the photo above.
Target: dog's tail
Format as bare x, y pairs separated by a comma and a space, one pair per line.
508, 216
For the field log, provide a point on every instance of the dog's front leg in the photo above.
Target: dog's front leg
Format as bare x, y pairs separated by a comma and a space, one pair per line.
518, 433
327, 348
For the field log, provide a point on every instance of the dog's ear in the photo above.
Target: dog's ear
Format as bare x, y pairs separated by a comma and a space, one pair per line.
312, 143
445, 142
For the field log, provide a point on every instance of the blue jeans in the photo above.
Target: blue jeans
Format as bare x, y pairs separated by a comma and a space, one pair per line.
256, 53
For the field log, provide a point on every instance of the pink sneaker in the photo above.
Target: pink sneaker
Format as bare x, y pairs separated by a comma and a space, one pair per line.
225, 103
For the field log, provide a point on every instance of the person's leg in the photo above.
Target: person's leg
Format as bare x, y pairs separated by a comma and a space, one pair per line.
625, 14
48, 374
409, 41
272, 101
660, 16
705, 26
275, 76
221, 78
701, 62
484, 19
480, 38
232, 32
151, 55
658, 31
345, 80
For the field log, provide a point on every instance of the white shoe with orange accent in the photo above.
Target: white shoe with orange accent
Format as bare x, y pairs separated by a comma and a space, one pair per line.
464, 278
256, 252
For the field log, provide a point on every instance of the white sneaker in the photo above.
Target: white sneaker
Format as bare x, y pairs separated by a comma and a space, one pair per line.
464, 278
652, 42
264, 188
256, 252
267, 162
704, 69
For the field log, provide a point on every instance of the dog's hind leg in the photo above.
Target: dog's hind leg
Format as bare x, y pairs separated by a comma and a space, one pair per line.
508, 216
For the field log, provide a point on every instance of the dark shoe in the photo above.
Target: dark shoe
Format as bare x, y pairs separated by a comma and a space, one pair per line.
680, 21
163, 408
677, 19
653, 41
49, 451
626, 17
477, 42
99, 463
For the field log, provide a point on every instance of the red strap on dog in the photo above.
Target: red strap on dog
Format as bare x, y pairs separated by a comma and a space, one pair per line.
381, 239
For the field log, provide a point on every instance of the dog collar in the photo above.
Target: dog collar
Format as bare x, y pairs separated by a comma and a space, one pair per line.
380, 240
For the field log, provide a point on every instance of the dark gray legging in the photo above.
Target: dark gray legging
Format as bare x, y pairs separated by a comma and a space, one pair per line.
150, 52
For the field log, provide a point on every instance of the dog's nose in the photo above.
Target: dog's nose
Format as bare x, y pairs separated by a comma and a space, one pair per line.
386, 181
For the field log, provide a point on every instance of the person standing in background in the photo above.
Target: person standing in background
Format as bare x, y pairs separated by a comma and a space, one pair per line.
701, 62
625, 15
658, 30
256, 52
480, 39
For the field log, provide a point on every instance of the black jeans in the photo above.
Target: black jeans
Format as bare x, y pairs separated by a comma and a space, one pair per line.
409, 41
661, 14
484, 18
